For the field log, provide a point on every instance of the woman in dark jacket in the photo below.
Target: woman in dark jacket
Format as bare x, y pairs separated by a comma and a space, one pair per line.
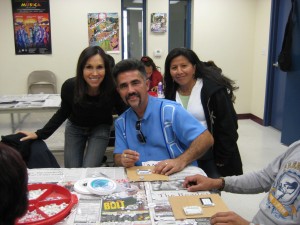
208, 95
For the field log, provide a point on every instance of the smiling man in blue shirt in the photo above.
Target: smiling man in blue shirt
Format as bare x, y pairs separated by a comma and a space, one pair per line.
154, 129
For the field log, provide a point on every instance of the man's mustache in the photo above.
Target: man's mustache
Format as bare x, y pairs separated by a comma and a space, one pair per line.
132, 94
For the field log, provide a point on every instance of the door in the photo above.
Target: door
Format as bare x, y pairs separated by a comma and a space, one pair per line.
276, 82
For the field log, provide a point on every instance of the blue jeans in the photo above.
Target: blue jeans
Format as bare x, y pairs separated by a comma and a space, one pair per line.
85, 147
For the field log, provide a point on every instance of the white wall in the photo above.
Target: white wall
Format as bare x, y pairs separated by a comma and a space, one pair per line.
260, 55
69, 37
233, 33
227, 32
157, 40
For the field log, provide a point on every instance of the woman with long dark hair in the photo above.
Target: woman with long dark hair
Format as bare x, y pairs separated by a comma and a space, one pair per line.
208, 95
88, 101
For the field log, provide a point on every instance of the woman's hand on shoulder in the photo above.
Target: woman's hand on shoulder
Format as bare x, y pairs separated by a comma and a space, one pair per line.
29, 135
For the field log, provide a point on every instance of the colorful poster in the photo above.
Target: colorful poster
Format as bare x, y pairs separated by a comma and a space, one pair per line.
32, 30
158, 22
103, 31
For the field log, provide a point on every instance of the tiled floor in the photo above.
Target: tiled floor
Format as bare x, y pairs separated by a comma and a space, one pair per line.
258, 146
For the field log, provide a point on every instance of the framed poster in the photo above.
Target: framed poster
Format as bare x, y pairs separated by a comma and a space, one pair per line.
32, 31
103, 31
158, 22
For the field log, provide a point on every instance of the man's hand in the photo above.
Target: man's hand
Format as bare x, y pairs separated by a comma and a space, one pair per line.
29, 135
201, 183
169, 166
229, 218
127, 159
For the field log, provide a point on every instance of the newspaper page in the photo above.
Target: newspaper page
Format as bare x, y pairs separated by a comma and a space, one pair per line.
127, 205
53, 100
159, 191
23, 98
133, 203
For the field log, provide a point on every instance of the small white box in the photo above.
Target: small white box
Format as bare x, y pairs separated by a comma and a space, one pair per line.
192, 210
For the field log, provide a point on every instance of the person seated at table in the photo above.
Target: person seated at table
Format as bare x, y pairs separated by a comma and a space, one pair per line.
154, 129
88, 102
13, 185
153, 74
35, 153
281, 179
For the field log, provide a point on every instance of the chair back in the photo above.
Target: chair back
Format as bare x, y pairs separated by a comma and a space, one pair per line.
42, 81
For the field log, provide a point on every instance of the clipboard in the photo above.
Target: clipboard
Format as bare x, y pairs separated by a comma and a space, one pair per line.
179, 202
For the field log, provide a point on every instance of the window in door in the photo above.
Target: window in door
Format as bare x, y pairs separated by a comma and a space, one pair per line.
133, 32
179, 24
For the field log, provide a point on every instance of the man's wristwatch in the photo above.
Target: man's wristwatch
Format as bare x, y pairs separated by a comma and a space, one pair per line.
223, 185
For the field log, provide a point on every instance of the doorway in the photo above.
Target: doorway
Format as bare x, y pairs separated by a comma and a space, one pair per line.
134, 32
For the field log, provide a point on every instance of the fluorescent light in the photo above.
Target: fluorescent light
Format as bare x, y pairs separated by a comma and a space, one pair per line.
125, 49
174, 2
138, 1
134, 8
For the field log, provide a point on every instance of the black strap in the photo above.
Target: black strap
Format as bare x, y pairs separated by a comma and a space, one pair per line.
289, 28
284, 58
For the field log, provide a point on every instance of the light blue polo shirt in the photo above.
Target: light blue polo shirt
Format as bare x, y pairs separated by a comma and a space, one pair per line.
185, 129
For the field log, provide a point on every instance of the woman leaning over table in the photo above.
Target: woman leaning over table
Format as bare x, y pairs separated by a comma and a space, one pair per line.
88, 101
208, 95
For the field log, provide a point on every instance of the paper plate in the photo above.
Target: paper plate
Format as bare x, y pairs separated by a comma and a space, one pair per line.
57, 197
101, 186
81, 186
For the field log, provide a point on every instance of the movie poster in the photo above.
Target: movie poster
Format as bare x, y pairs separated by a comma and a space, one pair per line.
103, 31
32, 29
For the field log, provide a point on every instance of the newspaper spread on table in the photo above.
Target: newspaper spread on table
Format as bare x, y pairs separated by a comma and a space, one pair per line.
30, 100
134, 203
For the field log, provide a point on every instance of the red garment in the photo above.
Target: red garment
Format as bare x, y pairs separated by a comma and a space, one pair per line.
155, 78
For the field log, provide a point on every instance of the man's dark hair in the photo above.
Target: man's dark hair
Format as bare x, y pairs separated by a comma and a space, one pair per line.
13, 185
128, 65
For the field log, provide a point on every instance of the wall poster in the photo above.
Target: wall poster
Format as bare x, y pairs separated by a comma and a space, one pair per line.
32, 30
103, 31
158, 22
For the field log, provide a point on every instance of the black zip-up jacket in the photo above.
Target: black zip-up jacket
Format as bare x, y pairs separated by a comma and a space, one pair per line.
221, 121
